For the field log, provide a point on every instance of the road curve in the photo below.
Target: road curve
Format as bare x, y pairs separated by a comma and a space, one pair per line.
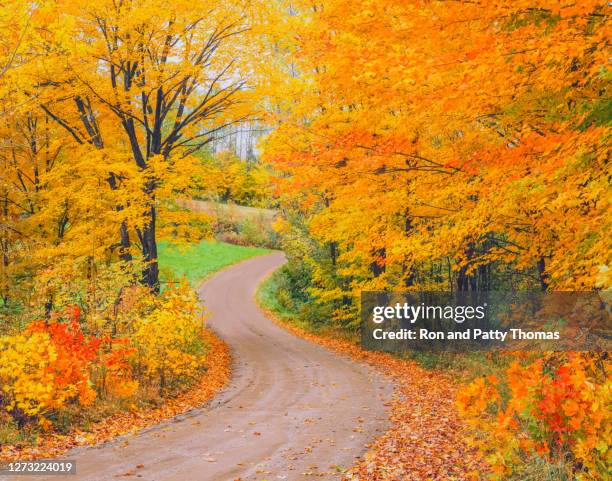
293, 411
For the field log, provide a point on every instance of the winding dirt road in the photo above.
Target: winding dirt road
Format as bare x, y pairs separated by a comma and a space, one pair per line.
293, 410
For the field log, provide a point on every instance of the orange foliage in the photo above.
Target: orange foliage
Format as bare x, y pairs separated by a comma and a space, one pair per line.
75, 353
546, 408
217, 374
64, 368
425, 144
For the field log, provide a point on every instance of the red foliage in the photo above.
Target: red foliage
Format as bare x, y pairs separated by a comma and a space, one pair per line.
75, 352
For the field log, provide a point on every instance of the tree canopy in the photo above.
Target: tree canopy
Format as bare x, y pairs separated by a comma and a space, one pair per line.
447, 145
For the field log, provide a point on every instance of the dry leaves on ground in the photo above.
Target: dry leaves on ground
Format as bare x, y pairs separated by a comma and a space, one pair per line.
425, 441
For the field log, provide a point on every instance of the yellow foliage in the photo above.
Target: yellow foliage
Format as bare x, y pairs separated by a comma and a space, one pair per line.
28, 382
169, 341
227, 178
432, 145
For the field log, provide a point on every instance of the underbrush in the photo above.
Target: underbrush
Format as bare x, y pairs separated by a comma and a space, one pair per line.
466, 366
75, 368
545, 416
254, 231
275, 295
69, 371
237, 224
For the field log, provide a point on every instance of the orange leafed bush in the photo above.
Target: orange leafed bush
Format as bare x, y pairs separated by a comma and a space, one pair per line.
52, 365
555, 408
56, 364
75, 354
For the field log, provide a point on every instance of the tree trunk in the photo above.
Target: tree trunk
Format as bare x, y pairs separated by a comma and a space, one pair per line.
4, 244
48, 309
150, 273
124, 249
465, 281
124, 235
542, 275
333, 252
407, 270
378, 268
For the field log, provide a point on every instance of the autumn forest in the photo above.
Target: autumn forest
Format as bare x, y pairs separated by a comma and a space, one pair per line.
381, 145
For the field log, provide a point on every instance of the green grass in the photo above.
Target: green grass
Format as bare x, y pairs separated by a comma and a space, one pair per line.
197, 261
10, 434
272, 296
268, 296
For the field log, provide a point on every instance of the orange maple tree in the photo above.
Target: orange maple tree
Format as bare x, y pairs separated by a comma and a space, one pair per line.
452, 145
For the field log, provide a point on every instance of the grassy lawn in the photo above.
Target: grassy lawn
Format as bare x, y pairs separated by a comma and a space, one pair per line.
197, 261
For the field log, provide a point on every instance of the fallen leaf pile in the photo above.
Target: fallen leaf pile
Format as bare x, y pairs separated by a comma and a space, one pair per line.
426, 441
216, 376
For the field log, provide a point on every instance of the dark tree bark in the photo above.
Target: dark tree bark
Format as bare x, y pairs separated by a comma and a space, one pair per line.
378, 268
150, 274
4, 244
333, 253
407, 271
542, 275
465, 281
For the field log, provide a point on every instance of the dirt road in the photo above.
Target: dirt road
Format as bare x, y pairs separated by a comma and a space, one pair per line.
293, 410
